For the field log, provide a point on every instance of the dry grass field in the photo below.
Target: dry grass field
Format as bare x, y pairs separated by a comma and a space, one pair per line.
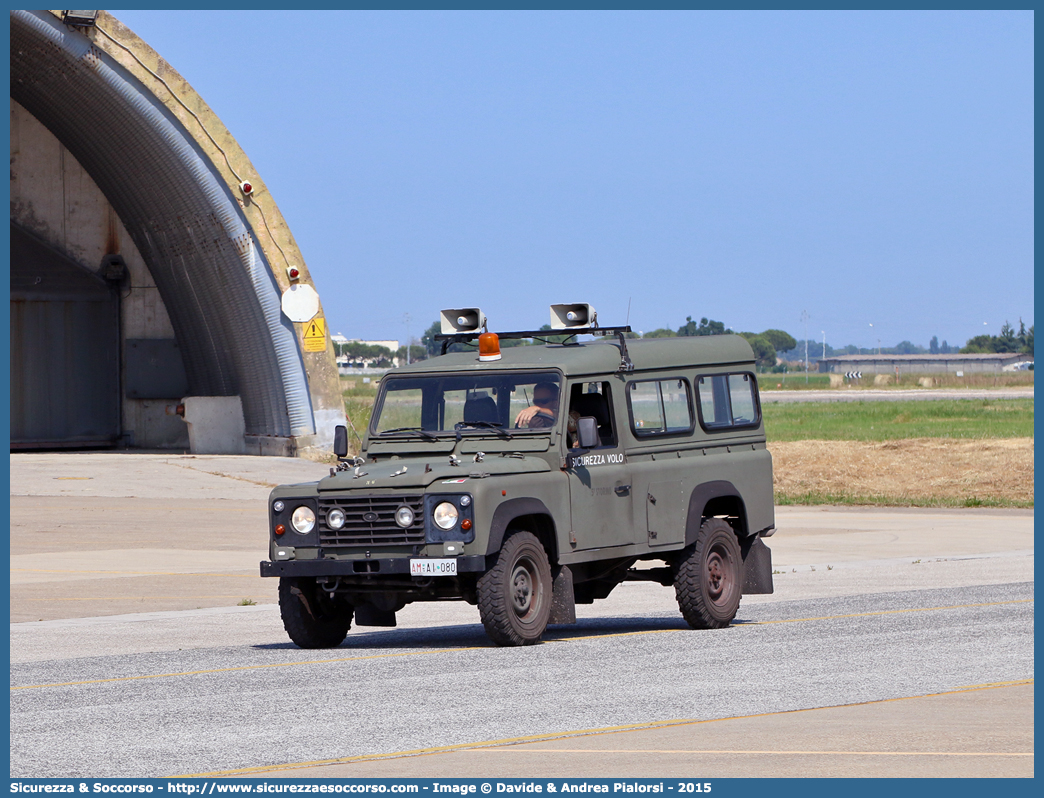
943, 472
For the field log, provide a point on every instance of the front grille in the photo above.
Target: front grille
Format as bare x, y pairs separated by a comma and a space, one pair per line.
380, 529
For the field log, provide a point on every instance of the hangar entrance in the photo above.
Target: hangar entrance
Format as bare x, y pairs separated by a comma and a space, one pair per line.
65, 351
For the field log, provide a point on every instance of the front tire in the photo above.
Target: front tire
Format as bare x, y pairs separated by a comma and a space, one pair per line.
514, 596
311, 618
709, 577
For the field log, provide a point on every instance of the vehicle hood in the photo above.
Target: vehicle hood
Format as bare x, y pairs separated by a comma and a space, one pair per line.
416, 472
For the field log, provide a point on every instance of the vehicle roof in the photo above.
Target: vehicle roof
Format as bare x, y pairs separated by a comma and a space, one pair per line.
600, 356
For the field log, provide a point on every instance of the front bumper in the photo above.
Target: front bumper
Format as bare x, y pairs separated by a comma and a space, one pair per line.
472, 563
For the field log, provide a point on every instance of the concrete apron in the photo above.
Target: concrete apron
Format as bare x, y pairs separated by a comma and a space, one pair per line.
112, 534
114, 553
977, 733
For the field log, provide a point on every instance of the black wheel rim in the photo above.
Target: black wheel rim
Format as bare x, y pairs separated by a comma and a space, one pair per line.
718, 576
523, 586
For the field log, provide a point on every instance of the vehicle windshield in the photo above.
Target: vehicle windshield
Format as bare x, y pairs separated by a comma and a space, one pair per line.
466, 403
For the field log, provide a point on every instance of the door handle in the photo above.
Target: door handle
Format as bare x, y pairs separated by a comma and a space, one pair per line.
622, 490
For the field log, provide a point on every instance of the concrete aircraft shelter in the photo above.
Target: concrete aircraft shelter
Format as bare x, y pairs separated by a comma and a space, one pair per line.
143, 276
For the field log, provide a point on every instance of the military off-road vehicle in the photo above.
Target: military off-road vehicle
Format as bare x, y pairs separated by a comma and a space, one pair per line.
529, 479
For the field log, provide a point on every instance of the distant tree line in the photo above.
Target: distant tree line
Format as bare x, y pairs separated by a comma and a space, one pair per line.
772, 348
1007, 341
360, 354
765, 344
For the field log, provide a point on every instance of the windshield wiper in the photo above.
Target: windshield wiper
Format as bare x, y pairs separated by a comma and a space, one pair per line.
493, 425
423, 432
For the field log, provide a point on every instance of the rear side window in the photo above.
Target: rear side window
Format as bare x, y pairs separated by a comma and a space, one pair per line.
660, 407
728, 401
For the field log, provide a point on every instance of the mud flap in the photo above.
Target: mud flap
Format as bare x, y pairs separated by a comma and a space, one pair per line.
563, 606
757, 567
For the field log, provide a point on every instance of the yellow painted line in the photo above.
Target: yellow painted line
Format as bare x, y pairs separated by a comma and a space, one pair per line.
142, 598
243, 668
891, 612
477, 648
513, 750
989, 685
535, 738
127, 573
539, 738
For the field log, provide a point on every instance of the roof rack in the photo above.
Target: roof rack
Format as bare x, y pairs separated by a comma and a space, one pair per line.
464, 325
468, 337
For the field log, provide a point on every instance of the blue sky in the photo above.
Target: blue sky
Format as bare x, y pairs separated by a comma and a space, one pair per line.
868, 167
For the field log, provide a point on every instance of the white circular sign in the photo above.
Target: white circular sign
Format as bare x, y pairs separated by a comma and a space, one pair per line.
300, 303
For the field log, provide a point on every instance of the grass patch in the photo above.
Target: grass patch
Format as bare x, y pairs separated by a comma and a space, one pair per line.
882, 421
796, 382
358, 406
850, 499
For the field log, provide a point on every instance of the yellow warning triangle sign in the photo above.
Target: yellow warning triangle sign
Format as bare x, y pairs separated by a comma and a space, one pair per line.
315, 335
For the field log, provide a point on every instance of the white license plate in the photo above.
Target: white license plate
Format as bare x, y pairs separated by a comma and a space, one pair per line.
431, 567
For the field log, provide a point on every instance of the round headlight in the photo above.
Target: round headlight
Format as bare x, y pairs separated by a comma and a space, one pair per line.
335, 519
404, 517
465, 500
279, 507
303, 520
445, 515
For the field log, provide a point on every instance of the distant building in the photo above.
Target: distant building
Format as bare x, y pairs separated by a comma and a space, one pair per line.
923, 364
346, 366
391, 345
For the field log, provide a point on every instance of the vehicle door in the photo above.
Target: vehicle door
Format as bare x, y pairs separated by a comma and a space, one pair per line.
660, 411
599, 481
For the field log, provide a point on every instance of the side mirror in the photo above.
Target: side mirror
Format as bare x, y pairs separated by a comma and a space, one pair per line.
587, 432
341, 441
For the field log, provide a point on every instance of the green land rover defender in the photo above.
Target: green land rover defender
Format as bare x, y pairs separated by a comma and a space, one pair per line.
532, 478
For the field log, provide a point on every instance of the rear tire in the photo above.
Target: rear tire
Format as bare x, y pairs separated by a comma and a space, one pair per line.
311, 618
709, 577
514, 596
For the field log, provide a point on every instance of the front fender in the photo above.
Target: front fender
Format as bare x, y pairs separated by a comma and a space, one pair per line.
506, 513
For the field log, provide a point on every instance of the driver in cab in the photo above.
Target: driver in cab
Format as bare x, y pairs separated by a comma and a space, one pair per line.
544, 410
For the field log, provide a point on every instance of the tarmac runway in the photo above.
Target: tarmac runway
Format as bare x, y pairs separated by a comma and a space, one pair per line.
898, 642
